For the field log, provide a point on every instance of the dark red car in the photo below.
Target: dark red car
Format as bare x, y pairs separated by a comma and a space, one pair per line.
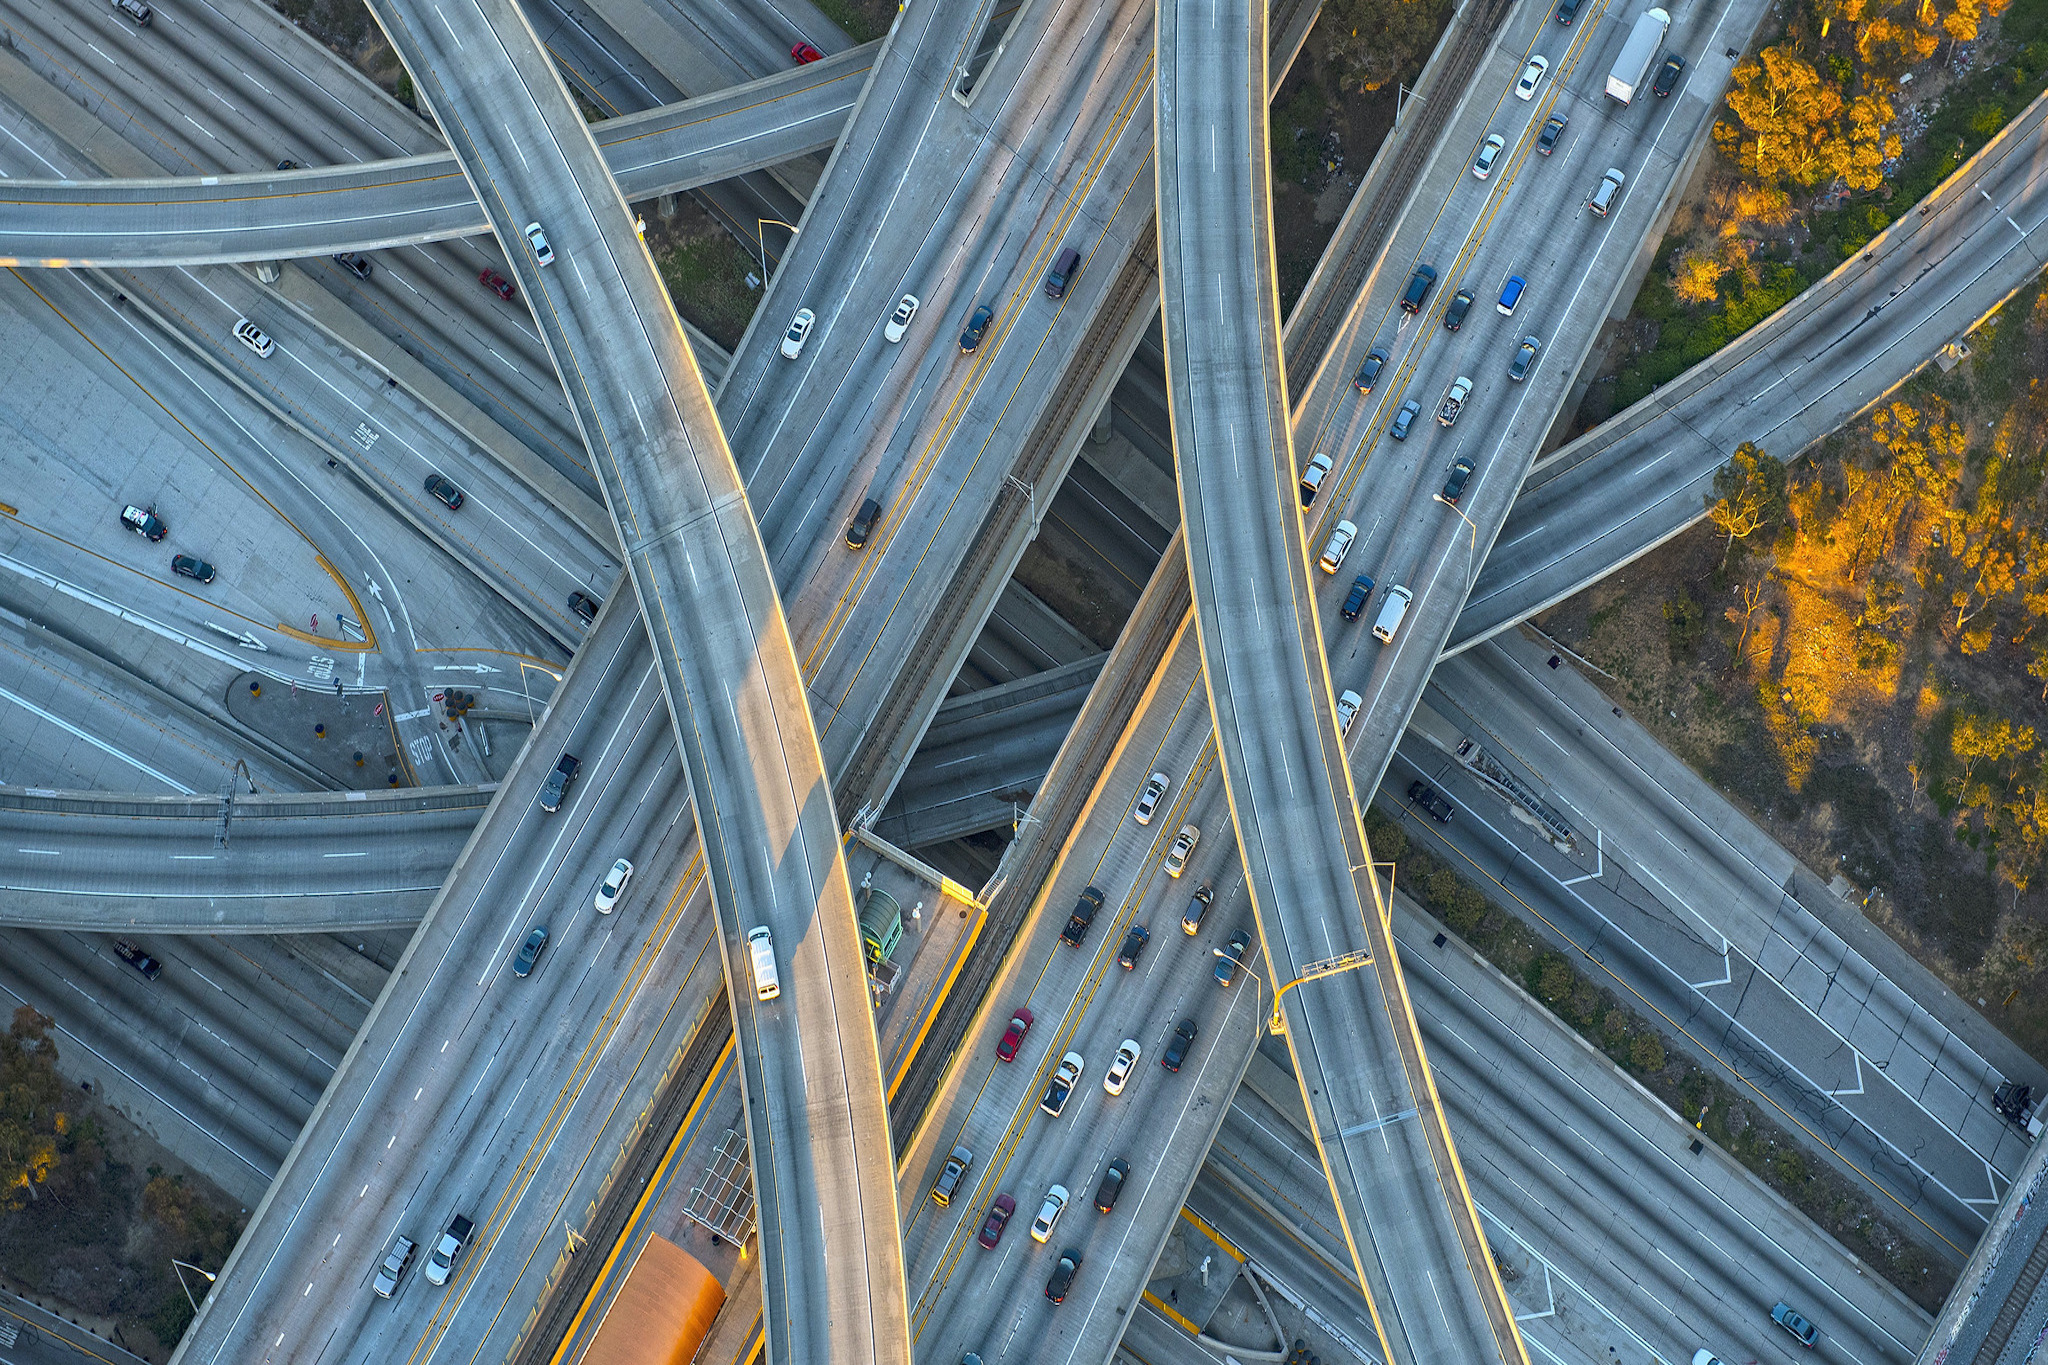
1013, 1036
805, 54
998, 1219
491, 279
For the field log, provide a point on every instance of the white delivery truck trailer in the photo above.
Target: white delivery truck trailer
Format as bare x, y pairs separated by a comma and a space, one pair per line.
1637, 53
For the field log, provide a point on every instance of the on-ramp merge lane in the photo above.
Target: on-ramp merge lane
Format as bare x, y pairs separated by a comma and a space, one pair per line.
1386, 1148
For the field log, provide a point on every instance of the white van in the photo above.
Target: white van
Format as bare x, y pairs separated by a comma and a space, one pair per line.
761, 948
1393, 610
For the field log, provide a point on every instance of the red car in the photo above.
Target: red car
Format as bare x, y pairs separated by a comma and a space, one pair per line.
998, 1219
1013, 1036
805, 54
491, 279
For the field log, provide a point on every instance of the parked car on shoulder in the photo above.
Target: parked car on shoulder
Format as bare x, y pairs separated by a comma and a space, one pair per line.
144, 522
1431, 800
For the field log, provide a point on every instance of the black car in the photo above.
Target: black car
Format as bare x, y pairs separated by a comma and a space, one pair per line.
355, 263
976, 326
1062, 1278
290, 165
1112, 1185
1553, 129
585, 606
529, 951
1354, 601
1668, 74
186, 566
1454, 486
1177, 1050
1454, 316
1431, 800
1085, 907
1418, 289
1134, 944
139, 960
1567, 10
1369, 372
863, 524
445, 490
1231, 956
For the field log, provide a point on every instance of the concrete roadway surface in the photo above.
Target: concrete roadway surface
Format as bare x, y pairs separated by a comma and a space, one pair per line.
819, 1135
1392, 1168
1643, 476
1625, 1242
375, 861
498, 1097
192, 220
301, 100
290, 540
959, 208
1695, 912
967, 1298
1529, 218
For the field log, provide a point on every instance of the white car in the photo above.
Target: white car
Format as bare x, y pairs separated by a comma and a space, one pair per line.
1489, 152
538, 240
1347, 710
1532, 76
1127, 1055
1312, 478
252, 336
1149, 799
1049, 1213
614, 886
799, 329
899, 321
1183, 847
1338, 546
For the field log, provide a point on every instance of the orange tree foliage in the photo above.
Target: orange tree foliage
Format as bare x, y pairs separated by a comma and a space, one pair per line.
1793, 123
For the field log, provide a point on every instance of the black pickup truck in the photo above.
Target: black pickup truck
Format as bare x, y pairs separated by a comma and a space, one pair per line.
556, 788
1083, 916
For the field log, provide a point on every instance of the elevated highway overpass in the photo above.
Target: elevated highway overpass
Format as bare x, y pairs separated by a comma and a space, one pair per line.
1644, 475
1381, 1134
192, 220
729, 673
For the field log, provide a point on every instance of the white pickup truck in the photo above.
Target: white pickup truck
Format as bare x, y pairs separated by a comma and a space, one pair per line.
1454, 400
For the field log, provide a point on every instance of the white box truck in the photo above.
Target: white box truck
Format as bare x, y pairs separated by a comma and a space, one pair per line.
1636, 55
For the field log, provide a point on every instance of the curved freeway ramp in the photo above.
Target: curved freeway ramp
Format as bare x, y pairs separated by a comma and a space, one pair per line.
197, 220
818, 1130
1643, 476
830, 1250
302, 863
1413, 1232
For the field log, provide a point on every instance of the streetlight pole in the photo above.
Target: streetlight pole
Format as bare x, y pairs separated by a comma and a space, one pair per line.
761, 243
1313, 971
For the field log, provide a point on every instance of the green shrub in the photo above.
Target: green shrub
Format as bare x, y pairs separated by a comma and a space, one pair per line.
1646, 1053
